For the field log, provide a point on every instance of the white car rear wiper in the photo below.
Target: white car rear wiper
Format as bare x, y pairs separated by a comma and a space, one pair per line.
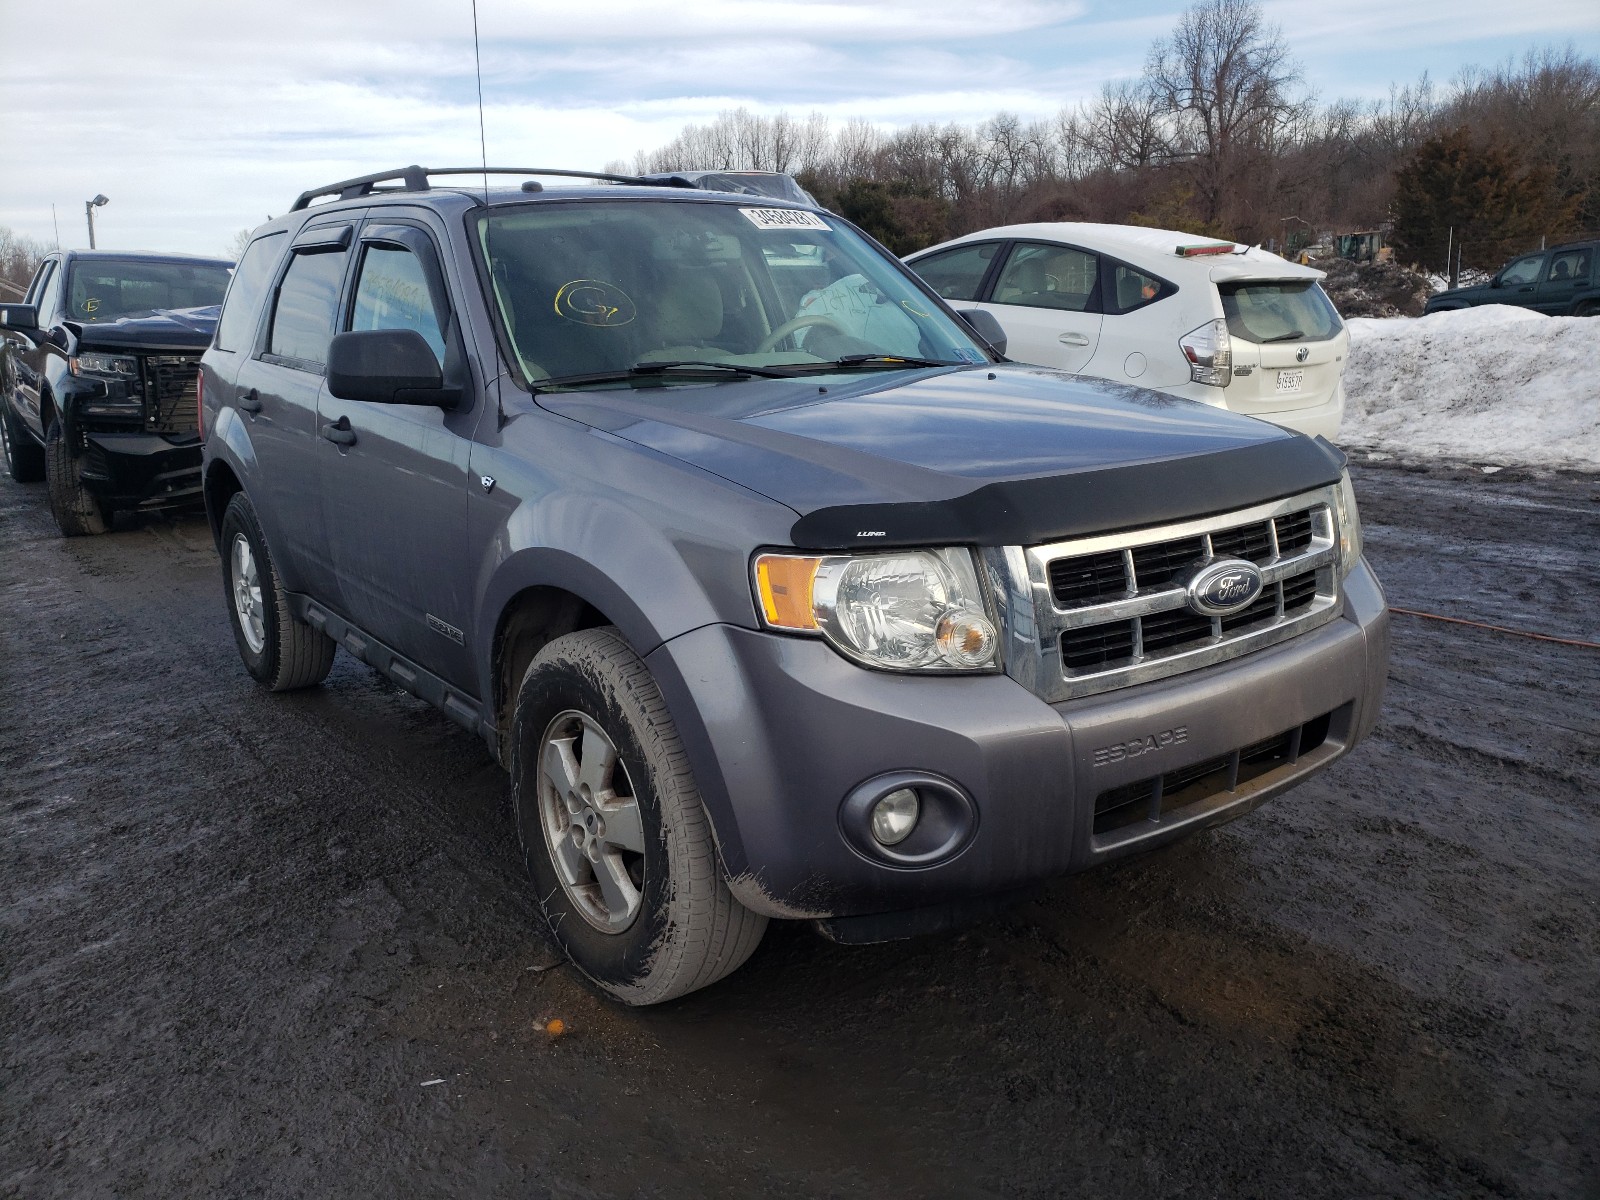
1294, 335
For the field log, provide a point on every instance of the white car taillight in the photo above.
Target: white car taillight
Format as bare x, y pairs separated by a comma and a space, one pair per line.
1210, 353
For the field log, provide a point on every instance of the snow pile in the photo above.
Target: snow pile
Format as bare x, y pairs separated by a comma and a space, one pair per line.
1491, 384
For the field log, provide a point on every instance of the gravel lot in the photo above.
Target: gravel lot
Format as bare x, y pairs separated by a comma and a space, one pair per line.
238, 932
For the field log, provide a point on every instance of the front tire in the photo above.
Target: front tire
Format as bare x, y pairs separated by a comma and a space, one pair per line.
24, 457
277, 650
613, 832
76, 510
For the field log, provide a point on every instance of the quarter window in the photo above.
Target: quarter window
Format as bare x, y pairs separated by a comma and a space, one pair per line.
1039, 276
308, 298
1132, 289
957, 274
1524, 270
243, 304
40, 282
392, 293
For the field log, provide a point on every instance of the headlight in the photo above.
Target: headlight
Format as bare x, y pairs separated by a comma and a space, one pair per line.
1349, 526
1209, 350
117, 391
110, 366
913, 610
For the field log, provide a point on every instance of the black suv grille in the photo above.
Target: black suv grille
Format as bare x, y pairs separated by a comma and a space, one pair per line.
170, 393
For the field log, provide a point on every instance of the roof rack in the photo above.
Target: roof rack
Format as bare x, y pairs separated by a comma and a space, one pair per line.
415, 179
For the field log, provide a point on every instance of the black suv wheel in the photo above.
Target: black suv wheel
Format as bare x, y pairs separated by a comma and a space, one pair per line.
75, 508
24, 456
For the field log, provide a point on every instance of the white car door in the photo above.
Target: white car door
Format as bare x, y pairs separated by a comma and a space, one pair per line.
1047, 299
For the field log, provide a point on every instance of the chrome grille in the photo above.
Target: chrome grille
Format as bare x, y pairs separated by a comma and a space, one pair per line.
170, 393
1097, 613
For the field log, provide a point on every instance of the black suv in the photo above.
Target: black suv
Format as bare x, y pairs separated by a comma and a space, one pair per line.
98, 388
777, 590
1563, 281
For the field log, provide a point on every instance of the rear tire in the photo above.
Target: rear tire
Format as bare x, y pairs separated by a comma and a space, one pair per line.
280, 652
1589, 308
613, 831
24, 457
76, 510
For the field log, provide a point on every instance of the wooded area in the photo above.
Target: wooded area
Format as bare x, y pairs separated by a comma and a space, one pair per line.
1219, 135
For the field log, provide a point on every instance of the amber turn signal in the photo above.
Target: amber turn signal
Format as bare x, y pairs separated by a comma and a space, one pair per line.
784, 582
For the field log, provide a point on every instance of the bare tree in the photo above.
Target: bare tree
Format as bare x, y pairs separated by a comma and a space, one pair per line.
1231, 92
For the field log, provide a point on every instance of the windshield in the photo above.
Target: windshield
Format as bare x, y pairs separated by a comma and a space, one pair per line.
599, 287
1295, 311
104, 289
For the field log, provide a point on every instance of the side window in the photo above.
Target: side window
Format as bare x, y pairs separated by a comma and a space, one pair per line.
956, 274
308, 299
1132, 289
242, 307
1569, 265
1040, 276
50, 296
1524, 270
41, 280
392, 293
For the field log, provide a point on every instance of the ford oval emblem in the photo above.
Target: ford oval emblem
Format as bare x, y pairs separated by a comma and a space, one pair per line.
1223, 586
1302, 354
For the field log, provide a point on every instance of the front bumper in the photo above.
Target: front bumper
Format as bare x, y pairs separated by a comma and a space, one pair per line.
133, 470
780, 730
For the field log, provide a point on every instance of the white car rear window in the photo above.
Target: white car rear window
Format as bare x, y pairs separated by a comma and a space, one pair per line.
1288, 311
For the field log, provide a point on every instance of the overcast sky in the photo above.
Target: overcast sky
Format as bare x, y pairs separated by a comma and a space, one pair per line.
198, 119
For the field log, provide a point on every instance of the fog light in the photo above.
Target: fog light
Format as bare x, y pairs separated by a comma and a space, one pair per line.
895, 816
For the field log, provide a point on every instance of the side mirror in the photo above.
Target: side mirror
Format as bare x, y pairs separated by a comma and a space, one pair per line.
23, 318
986, 327
1495, 282
387, 366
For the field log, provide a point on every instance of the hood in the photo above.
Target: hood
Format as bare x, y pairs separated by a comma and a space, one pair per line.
1006, 454
177, 328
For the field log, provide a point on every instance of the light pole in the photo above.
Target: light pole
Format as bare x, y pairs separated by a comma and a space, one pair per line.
88, 211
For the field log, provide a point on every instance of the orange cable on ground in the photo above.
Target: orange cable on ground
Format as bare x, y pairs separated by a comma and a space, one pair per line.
1542, 637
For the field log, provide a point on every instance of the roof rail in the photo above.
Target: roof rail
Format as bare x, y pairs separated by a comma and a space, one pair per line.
415, 179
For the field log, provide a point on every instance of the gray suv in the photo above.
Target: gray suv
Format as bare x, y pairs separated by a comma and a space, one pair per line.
778, 591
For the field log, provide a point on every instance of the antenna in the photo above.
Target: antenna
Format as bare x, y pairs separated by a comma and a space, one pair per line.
477, 64
57, 225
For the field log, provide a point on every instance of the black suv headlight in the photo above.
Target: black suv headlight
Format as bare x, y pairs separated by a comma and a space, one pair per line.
120, 394
906, 610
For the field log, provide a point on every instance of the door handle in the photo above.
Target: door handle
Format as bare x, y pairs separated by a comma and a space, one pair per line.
1073, 339
250, 401
339, 432
1529, 288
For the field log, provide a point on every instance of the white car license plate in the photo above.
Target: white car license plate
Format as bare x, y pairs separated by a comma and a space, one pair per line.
1290, 381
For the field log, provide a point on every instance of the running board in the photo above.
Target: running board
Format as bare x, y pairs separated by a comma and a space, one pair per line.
423, 684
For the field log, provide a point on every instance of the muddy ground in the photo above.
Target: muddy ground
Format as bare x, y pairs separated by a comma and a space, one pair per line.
238, 932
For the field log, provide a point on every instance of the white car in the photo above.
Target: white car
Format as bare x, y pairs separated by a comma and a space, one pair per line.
1232, 326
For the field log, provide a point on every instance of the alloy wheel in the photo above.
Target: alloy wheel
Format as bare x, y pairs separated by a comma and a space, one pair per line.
591, 822
247, 595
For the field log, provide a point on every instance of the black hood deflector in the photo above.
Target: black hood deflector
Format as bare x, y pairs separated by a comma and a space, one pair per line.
1029, 511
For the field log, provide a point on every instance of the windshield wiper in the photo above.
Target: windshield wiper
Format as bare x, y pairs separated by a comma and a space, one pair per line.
1293, 335
882, 360
643, 370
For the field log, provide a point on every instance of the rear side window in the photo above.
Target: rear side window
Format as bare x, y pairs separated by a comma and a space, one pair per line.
1290, 311
1040, 276
1132, 289
1569, 264
392, 293
40, 282
308, 298
243, 305
958, 273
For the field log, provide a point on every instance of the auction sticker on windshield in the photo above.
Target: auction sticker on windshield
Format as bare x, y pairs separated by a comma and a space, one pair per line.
1290, 381
784, 218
